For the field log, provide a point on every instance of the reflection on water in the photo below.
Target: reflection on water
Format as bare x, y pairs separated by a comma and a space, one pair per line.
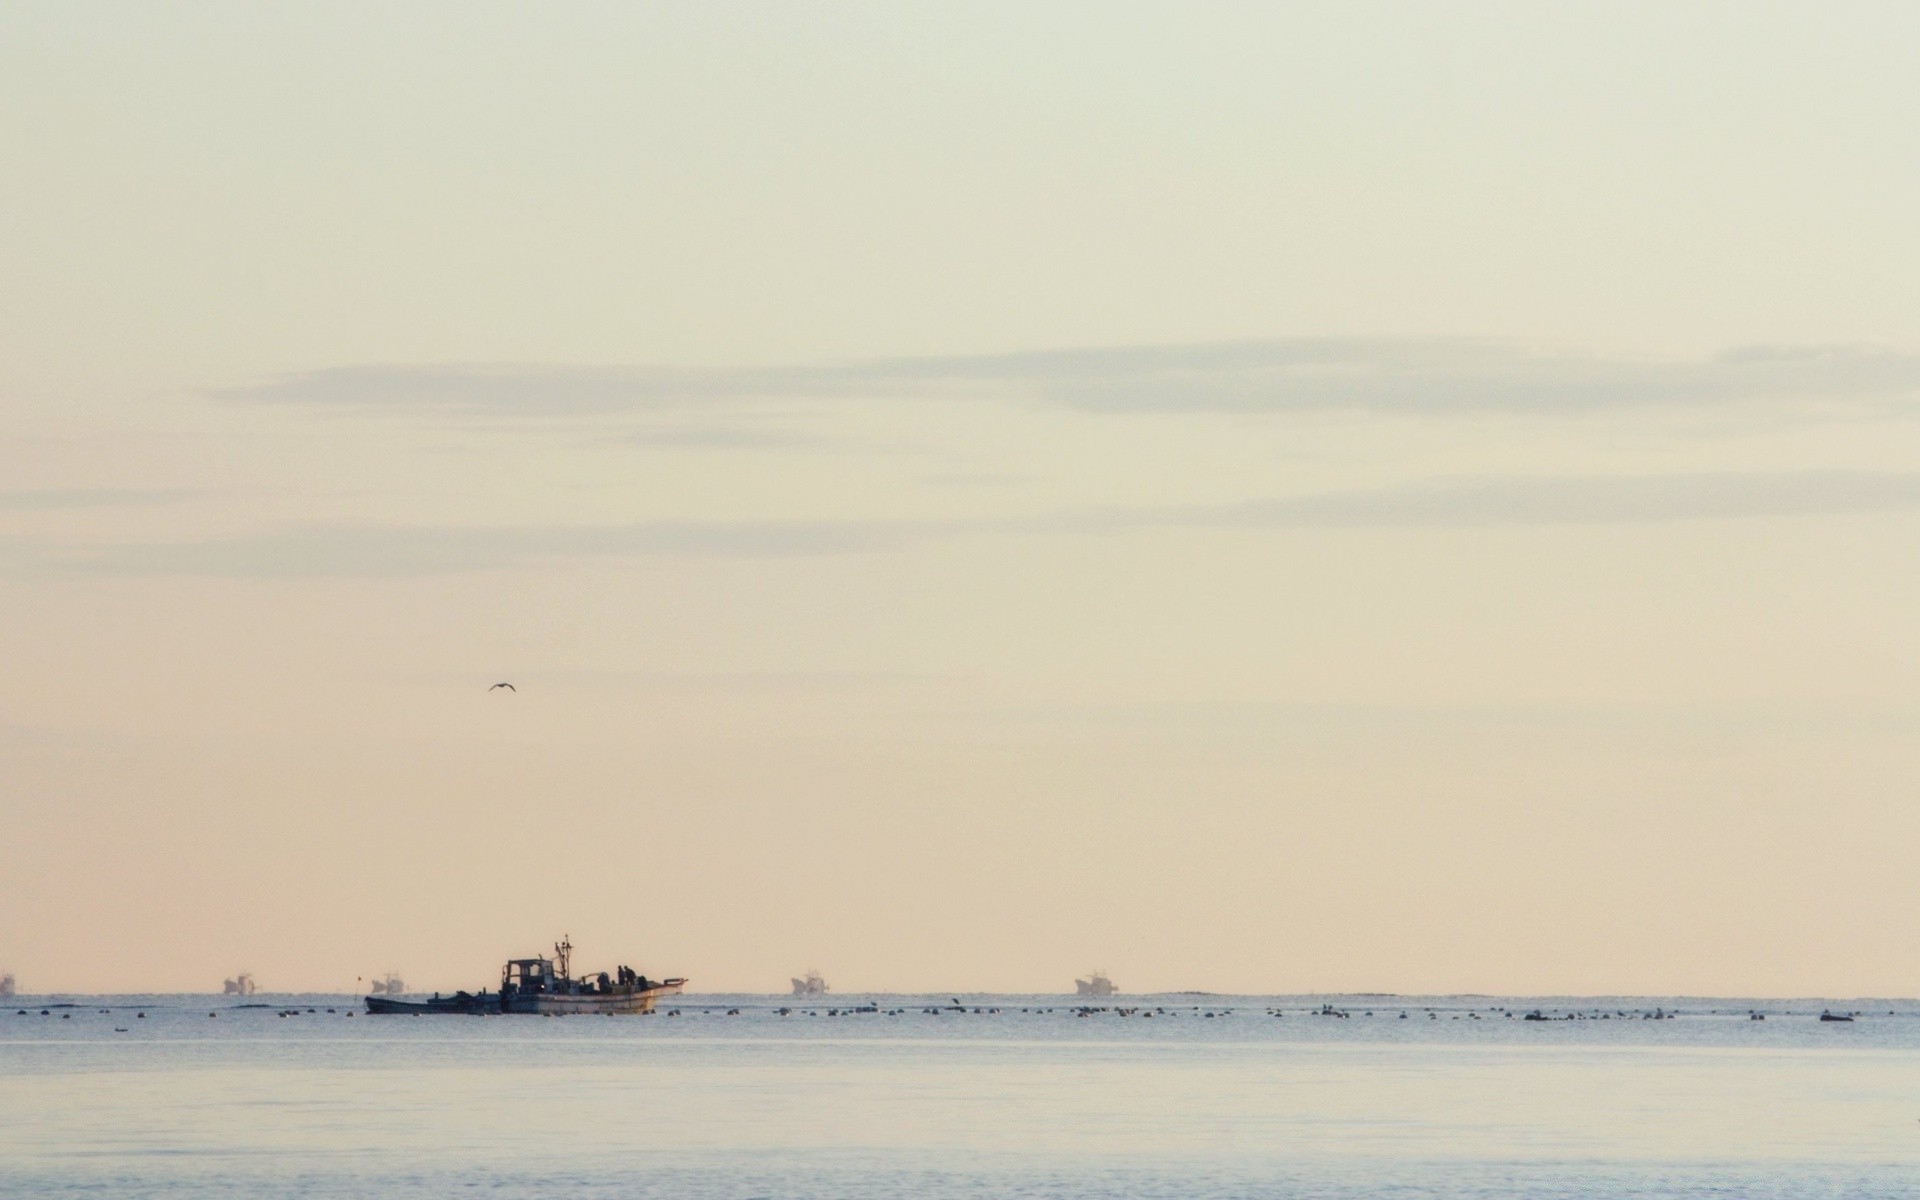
1469, 1100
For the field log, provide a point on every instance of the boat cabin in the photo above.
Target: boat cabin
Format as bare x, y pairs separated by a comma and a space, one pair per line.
554, 977
532, 976
524, 975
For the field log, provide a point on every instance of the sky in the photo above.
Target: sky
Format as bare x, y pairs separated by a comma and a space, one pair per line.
1361, 496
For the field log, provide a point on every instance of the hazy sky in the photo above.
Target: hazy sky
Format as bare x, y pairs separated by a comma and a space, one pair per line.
1347, 496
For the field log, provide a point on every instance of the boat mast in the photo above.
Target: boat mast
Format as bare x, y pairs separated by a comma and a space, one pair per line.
562, 954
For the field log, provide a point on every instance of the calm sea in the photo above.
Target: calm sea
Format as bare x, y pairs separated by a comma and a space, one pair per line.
1017, 1096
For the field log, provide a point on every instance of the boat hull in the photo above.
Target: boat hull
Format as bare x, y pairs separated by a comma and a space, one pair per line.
637, 1000
451, 1006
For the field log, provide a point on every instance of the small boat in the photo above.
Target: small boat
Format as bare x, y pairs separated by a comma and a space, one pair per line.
1833, 1016
458, 1004
545, 986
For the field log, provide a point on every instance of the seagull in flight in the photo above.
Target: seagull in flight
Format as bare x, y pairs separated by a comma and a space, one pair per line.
496, 687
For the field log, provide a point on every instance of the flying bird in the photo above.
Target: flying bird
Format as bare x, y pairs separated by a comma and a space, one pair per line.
507, 686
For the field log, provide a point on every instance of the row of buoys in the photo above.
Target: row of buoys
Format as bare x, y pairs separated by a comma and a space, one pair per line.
1325, 1010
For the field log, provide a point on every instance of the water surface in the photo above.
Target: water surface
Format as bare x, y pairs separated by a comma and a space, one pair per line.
1016, 1096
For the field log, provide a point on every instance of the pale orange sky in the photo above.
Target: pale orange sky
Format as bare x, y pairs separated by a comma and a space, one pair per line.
1356, 497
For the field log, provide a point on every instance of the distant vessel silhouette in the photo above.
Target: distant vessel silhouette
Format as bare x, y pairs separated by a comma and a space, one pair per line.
6, 983
1098, 985
240, 985
392, 985
812, 985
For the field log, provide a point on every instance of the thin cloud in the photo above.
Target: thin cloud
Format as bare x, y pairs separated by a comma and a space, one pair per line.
1413, 377
1578, 500
332, 551
723, 437
358, 550
976, 479
1437, 378
52, 499
524, 389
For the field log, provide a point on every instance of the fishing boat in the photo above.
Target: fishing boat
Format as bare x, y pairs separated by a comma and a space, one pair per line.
812, 985
240, 985
469, 1004
1099, 985
392, 985
547, 986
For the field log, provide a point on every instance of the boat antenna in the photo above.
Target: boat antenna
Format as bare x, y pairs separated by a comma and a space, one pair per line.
563, 951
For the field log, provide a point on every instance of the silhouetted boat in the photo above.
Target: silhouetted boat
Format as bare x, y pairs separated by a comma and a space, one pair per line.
544, 985
1833, 1016
240, 985
812, 985
1098, 985
458, 1004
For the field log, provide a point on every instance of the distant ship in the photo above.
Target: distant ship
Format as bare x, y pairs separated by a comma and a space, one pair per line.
240, 985
6, 983
812, 985
392, 985
1098, 985
547, 986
